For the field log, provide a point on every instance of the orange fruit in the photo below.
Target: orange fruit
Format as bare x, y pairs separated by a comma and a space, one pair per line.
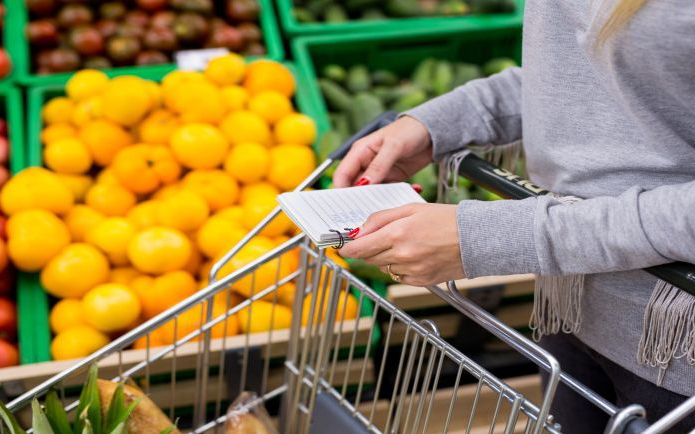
157, 250
347, 308
80, 220
155, 93
248, 162
155, 341
192, 320
173, 80
67, 313
112, 236
58, 111
86, 83
104, 139
257, 189
215, 186
233, 213
144, 214
78, 184
124, 275
244, 126
195, 260
271, 106
110, 199
74, 271
34, 237
257, 208
106, 176
56, 132
226, 70
184, 210
263, 316
166, 192
290, 165
263, 75
296, 129
88, 110
144, 168
126, 100
234, 97
199, 146
160, 293
158, 127
35, 187
197, 101
68, 156
218, 235
77, 342
110, 307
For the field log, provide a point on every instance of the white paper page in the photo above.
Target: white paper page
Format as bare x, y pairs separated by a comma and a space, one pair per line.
317, 212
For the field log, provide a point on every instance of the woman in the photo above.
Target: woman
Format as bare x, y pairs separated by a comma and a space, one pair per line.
605, 105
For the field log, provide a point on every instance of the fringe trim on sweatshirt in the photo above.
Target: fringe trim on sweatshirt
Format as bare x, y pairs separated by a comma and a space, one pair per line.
668, 328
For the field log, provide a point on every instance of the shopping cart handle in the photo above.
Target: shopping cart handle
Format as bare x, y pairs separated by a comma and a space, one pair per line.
511, 186
380, 122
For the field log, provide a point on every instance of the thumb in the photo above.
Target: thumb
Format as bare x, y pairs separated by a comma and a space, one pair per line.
382, 163
380, 219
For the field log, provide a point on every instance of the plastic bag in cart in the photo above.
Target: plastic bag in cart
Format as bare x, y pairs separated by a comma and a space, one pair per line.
247, 415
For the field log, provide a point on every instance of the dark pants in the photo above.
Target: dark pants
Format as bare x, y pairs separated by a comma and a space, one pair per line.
614, 383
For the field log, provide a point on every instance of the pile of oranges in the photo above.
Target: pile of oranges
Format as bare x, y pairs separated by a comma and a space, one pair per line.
146, 185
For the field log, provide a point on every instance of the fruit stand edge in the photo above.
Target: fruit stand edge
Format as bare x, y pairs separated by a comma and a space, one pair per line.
292, 27
268, 23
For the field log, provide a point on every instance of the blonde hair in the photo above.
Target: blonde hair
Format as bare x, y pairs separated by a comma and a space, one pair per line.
621, 14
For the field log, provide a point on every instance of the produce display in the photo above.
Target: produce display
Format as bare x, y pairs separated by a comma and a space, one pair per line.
146, 184
66, 35
5, 62
334, 11
356, 94
8, 310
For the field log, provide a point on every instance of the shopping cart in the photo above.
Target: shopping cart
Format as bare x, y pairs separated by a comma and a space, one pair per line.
323, 374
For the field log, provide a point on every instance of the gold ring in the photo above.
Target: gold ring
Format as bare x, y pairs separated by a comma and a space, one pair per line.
396, 278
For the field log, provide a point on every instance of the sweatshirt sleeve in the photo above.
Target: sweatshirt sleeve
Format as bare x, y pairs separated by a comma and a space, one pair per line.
638, 229
481, 112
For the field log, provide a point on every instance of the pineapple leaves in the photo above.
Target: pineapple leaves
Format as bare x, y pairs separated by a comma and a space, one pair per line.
89, 407
39, 421
10, 421
55, 412
118, 413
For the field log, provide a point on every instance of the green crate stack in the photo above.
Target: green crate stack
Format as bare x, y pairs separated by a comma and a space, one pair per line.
21, 49
292, 27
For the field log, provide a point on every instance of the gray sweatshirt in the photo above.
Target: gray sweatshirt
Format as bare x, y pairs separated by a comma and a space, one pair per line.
615, 126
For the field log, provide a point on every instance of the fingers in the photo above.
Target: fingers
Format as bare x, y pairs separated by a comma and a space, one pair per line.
382, 163
359, 157
380, 219
366, 247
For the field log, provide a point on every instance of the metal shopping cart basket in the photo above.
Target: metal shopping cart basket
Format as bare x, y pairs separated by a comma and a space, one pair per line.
322, 374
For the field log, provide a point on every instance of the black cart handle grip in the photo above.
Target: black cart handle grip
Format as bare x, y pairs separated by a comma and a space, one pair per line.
508, 185
383, 120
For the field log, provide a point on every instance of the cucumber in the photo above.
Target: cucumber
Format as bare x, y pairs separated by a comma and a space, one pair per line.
404, 8
373, 14
356, 6
465, 72
337, 98
443, 77
384, 93
366, 271
410, 100
365, 108
330, 141
453, 8
382, 77
318, 7
335, 73
335, 14
358, 79
341, 123
424, 74
498, 65
427, 178
303, 15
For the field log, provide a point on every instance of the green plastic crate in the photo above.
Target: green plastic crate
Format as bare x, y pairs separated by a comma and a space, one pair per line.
36, 309
268, 24
292, 27
13, 38
399, 52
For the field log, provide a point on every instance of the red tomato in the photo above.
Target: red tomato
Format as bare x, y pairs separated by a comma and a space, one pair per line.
4, 150
9, 356
3, 127
6, 281
8, 318
4, 260
3, 227
5, 63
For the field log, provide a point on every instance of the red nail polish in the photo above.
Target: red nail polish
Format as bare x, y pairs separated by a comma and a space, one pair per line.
417, 188
353, 233
362, 181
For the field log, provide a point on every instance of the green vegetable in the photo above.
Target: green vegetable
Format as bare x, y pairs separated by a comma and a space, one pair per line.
330, 141
335, 14
465, 72
358, 79
356, 6
443, 77
317, 7
341, 124
365, 108
427, 178
453, 8
335, 72
498, 65
336, 97
373, 14
303, 15
404, 8
382, 77
492, 6
424, 74
410, 100
367, 272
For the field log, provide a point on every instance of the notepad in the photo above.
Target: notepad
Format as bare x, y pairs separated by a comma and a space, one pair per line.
326, 216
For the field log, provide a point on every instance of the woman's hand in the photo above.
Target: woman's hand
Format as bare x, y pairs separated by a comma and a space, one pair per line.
394, 153
419, 241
